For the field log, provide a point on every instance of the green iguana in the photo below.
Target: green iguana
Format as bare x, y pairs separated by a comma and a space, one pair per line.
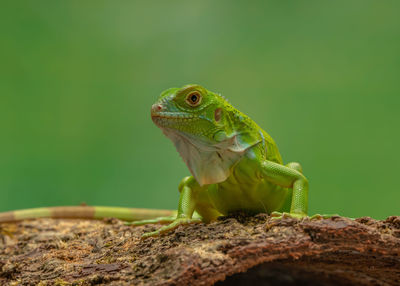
235, 166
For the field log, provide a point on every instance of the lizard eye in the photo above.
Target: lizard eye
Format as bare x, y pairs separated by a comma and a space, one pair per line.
194, 98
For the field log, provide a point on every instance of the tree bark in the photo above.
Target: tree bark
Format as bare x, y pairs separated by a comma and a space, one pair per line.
235, 250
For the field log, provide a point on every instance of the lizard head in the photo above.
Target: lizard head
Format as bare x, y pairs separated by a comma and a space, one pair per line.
192, 111
210, 135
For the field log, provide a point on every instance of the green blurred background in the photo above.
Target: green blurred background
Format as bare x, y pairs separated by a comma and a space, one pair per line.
77, 80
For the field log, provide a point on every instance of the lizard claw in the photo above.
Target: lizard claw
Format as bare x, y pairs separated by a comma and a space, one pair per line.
162, 220
279, 215
324, 216
276, 214
171, 226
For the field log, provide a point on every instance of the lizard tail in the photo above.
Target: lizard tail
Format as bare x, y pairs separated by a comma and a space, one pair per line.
85, 212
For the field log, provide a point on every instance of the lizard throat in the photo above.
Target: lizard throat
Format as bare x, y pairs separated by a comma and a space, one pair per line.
209, 164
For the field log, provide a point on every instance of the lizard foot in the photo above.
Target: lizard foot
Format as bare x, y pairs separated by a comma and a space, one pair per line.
177, 222
279, 215
162, 220
324, 216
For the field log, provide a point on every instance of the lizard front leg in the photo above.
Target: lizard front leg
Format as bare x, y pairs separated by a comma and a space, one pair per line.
288, 177
189, 189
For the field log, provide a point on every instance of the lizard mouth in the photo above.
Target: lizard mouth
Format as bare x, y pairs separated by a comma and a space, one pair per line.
171, 116
163, 119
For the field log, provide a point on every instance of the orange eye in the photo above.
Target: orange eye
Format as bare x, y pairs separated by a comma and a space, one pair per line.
194, 98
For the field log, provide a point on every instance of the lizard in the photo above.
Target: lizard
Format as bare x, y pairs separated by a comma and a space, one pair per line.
234, 164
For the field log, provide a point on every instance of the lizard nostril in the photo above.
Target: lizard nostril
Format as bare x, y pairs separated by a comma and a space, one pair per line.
156, 108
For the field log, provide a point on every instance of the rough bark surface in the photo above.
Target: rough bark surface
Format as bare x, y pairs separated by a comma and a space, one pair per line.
236, 250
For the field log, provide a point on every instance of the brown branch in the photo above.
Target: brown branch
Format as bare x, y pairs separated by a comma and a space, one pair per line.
240, 250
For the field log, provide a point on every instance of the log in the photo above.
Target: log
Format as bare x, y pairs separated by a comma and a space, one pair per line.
235, 250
